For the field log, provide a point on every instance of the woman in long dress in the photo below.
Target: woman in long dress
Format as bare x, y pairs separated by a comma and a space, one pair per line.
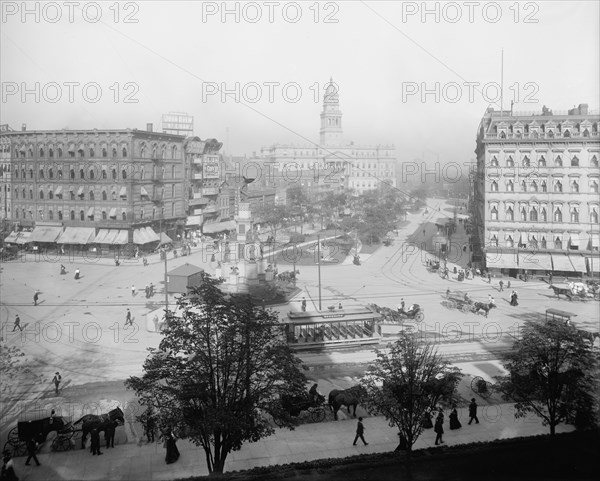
172, 451
454, 422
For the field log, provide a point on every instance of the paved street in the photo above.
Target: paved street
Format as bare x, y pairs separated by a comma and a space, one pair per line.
78, 329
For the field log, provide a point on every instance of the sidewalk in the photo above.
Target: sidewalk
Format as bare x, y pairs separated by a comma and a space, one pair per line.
307, 442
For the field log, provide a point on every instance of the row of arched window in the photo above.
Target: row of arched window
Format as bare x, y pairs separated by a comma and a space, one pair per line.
538, 240
542, 186
93, 172
541, 162
71, 215
532, 214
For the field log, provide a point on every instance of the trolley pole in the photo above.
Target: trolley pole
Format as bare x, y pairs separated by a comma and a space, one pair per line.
319, 266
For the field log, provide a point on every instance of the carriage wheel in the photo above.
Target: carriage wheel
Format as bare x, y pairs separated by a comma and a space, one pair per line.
420, 316
16, 449
481, 386
62, 443
317, 414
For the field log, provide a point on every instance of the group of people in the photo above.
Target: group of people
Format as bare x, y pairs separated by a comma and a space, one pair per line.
438, 427
149, 290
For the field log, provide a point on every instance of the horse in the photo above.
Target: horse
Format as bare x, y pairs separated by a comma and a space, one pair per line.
348, 397
101, 422
482, 306
561, 290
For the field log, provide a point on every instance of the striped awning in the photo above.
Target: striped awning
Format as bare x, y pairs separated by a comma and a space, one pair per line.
77, 235
45, 234
111, 236
578, 262
533, 260
144, 235
561, 262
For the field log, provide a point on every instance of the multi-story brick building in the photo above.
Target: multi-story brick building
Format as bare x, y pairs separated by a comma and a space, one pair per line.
334, 162
105, 187
536, 200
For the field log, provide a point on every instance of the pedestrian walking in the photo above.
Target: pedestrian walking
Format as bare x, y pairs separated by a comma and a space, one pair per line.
501, 284
145, 260
360, 430
550, 278
147, 291
56, 380
95, 442
439, 428
304, 304
77, 275
454, 422
151, 290
508, 285
490, 298
128, 320
513, 298
473, 412
17, 323
489, 278
32, 447
36, 296
8, 468
172, 451
132, 290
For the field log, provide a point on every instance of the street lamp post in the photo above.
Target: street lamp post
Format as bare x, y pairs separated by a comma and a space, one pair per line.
319, 266
164, 252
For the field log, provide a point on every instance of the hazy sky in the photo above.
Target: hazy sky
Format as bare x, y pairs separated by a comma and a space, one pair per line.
138, 60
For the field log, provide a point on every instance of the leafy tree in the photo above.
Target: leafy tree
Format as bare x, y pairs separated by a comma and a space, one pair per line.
553, 373
14, 371
406, 383
272, 216
219, 369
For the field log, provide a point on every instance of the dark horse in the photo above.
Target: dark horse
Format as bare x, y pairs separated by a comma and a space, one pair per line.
101, 422
349, 397
565, 291
482, 306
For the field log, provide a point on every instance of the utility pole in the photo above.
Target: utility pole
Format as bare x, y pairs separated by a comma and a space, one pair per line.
319, 266
165, 259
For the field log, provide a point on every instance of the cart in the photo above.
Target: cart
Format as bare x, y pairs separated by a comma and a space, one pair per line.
39, 430
458, 300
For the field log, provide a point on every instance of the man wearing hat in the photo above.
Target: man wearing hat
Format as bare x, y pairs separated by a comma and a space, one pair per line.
128, 318
56, 380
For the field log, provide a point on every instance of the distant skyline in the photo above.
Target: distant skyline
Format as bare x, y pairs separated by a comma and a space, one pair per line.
145, 59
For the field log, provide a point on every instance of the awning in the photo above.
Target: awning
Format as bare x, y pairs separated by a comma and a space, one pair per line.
535, 261
113, 213
45, 234
165, 239
90, 212
101, 236
153, 236
143, 191
501, 260
122, 238
12, 237
561, 262
58, 190
578, 262
77, 235
111, 236
595, 239
574, 239
23, 238
123, 192
80, 190
144, 235
593, 264
218, 227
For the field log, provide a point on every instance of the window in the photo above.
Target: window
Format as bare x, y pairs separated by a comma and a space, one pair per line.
72, 174
526, 161
50, 215
123, 174
81, 174
72, 215
523, 186
72, 195
533, 243
558, 162
544, 186
534, 186
594, 161
81, 215
103, 215
510, 162
104, 176
574, 186
104, 152
60, 152
557, 215
558, 243
50, 194
91, 195
124, 216
533, 215
574, 214
124, 152
114, 174
494, 241
50, 153
594, 186
104, 196
60, 215
494, 213
172, 172
30, 193
544, 243
594, 215
41, 173
542, 161
510, 242
114, 153
510, 215
510, 186
575, 162
523, 214
60, 173
92, 174
50, 173
16, 194
114, 195
558, 186
544, 215
494, 186
31, 173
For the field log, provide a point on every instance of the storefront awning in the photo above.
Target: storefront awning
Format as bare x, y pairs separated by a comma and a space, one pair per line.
144, 235
153, 236
11, 238
218, 227
561, 262
194, 220
165, 239
45, 234
578, 262
532, 260
23, 238
501, 260
595, 239
77, 235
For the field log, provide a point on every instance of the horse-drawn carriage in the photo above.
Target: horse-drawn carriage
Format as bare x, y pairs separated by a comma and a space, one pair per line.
304, 405
577, 291
461, 300
38, 430
433, 266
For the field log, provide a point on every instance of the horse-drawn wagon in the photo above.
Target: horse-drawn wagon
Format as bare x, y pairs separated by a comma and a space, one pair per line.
304, 406
38, 430
461, 300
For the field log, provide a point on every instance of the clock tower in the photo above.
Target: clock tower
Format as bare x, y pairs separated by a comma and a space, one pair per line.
331, 116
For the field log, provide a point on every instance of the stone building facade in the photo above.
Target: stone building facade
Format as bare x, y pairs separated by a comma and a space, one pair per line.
536, 191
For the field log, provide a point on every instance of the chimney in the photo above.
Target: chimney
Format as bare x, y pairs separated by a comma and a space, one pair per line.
23, 127
149, 127
583, 109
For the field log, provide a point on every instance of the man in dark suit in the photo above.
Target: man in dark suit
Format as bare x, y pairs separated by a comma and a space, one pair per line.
31, 450
360, 429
